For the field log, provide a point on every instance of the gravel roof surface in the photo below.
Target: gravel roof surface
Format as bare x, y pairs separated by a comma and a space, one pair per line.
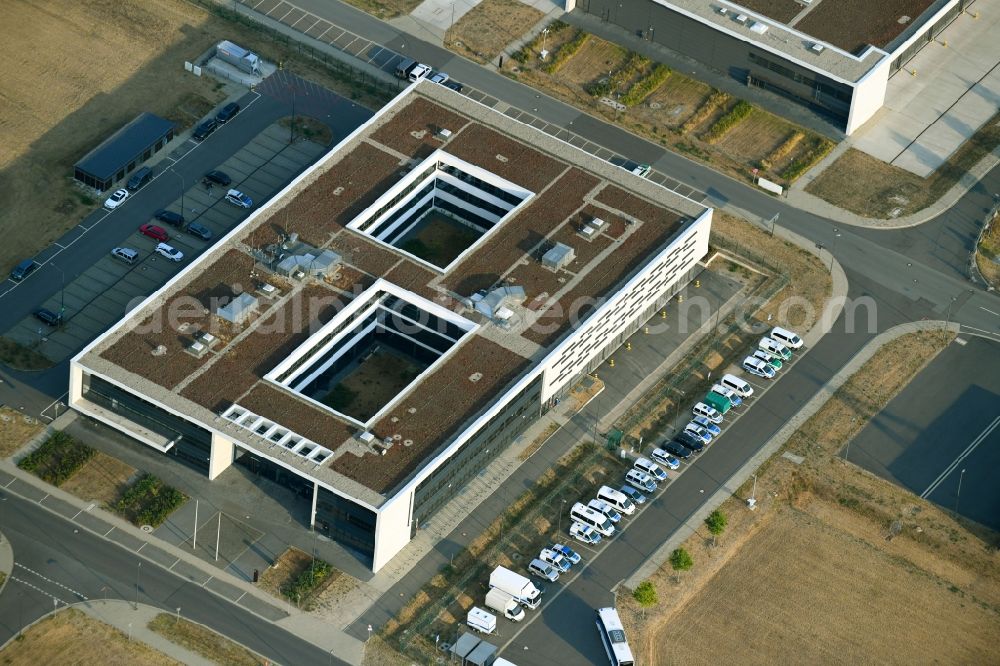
854, 24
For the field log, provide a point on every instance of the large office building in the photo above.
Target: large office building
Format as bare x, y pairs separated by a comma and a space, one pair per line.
386, 325
834, 55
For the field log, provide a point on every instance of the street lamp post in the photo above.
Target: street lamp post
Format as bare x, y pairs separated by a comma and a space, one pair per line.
62, 291
562, 506
138, 568
833, 249
183, 188
950, 303
958, 495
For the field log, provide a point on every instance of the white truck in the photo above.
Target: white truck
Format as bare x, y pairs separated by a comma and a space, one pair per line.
517, 586
502, 602
481, 621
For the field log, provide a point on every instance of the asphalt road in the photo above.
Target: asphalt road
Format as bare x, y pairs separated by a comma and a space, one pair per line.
943, 428
71, 565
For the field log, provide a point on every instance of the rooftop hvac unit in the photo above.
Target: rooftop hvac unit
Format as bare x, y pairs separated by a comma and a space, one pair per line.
816, 48
742, 18
197, 349
444, 134
588, 232
598, 224
723, 11
366, 437
758, 27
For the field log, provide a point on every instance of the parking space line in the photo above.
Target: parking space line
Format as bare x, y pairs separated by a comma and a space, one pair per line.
962, 456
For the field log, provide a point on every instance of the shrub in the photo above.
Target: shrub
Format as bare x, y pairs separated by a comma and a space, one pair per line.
716, 523
309, 580
149, 501
714, 101
784, 150
646, 86
645, 594
57, 459
729, 120
613, 83
681, 560
565, 52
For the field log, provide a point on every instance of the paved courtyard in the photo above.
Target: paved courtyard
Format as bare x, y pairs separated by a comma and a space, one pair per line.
940, 97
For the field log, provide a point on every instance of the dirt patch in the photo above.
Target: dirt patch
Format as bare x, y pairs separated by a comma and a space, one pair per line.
784, 598
16, 430
385, 9
886, 191
438, 239
988, 254
71, 637
483, 32
102, 479
281, 576
202, 640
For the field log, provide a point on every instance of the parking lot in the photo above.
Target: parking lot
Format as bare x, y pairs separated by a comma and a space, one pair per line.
940, 437
100, 296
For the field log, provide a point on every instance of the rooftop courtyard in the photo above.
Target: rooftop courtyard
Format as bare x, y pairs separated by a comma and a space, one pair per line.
455, 246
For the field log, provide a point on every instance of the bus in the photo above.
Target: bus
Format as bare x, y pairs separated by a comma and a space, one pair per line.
609, 625
595, 519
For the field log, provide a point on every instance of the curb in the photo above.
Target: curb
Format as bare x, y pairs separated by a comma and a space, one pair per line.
775, 442
6, 561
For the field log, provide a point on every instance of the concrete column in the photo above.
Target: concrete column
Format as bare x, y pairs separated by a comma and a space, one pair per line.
312, 514
221, 457
75, 384
570, 5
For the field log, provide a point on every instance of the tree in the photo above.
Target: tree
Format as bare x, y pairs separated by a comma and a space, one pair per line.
716, 523
645, 594
681, 560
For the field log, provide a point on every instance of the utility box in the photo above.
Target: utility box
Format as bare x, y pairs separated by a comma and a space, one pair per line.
558, 257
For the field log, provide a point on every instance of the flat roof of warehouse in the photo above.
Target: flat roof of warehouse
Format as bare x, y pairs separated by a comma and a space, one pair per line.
569, 189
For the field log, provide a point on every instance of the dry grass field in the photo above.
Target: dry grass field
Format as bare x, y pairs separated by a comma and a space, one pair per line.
71, 637
16, 429
804, 591
887, 191
201, 640
595, 59
483, 32
71, 78
385, 9
102, 479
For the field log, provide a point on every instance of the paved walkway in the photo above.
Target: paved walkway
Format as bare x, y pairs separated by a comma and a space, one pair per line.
941, 97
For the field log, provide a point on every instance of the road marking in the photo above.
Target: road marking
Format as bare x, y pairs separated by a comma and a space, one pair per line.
49, 580
207, 581
7, 485
44, 498
144, 544
170, 568
109, 531
38, 589
990, 311
965, 454
240, 597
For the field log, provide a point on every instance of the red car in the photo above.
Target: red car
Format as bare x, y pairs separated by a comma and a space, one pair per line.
154, 232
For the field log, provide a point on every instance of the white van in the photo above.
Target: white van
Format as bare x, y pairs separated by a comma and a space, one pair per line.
710, 413
735, 383
617, 499
786, 338
731, 394
775, 348
596, 519
419, 72
606, 509
126, 254
649, 467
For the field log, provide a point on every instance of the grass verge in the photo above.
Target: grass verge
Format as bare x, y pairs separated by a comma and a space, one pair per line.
299, 577
385, 9
886, 191
16, 430
202, 640
149, 501
72, 637
103, 479
483, 32
988, 254
57, 459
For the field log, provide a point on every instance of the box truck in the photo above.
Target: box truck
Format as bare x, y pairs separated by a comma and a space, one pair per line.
502, 602
518, 586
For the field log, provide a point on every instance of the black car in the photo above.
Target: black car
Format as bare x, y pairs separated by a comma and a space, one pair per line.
48, 316
690, 441
228, 112
170, 217
199, 230
217, 178
454, 85
202, 131
23, 270
677, 449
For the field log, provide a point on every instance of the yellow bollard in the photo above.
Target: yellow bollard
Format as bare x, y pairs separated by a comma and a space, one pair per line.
663, 314
697, 283
680, 298
646, 330
611, 362
628, 346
